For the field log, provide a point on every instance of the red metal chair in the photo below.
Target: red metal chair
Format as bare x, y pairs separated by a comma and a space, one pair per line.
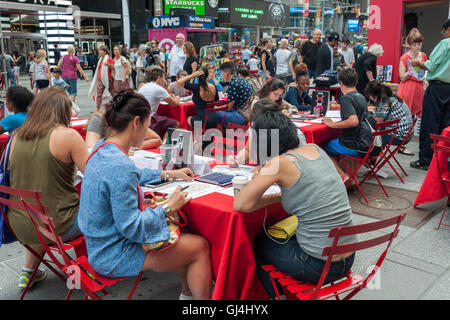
371, 161
221, 105
390, 154
80, 272
441, 146
77, 244
352, 282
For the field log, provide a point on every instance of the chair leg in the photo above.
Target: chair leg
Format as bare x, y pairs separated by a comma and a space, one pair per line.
443, 214
133, 289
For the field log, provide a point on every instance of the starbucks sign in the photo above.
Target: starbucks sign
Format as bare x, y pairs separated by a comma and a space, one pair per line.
198, 5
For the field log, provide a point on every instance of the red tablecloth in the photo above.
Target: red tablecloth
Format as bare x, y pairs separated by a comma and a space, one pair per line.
80, 124
179, 113
319, 133
432, 189
231, 237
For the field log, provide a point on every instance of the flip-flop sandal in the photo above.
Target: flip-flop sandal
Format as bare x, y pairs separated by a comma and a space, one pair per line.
402, 151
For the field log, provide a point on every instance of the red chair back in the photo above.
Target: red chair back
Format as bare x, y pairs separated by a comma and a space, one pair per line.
45, 229
335, 249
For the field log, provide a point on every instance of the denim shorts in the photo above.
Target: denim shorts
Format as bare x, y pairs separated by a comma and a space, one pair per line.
334, 149
294, 262
72, 90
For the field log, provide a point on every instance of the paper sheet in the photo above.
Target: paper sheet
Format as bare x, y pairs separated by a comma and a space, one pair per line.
301, 124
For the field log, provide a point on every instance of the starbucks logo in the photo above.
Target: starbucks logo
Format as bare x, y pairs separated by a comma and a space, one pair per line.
213, 3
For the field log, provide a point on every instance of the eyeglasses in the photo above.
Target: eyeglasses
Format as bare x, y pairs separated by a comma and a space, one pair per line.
279, 95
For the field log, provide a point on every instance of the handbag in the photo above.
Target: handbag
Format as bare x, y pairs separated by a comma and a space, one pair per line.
175, 224
5, 234
284, 229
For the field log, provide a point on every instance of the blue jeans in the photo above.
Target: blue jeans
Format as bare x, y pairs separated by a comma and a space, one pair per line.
232, 116
11, 77
73, 89
294, 262
312, 73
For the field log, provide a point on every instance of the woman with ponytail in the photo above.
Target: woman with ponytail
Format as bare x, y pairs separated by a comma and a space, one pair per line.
70, 64
112, 216
298, 96
390, 107
202, 93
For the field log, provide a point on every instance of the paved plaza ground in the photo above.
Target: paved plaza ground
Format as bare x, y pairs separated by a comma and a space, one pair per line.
416, 268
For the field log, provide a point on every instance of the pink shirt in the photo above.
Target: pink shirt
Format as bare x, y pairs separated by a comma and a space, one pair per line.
69, 67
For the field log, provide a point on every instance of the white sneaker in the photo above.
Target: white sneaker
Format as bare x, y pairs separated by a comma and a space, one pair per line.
185, 297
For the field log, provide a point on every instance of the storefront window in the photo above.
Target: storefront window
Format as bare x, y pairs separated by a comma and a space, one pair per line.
102, 27
15, 22
116, 32
30, 23
85, 27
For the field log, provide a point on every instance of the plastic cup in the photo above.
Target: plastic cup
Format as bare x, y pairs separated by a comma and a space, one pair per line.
169, 153
239, 182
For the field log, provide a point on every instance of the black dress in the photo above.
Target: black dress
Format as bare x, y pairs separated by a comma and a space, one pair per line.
188, 64
201, 106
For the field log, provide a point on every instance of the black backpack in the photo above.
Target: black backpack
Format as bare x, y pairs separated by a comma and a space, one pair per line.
326, 79
363, 134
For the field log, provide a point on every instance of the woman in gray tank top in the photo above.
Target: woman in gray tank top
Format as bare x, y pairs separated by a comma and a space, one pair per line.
312, 190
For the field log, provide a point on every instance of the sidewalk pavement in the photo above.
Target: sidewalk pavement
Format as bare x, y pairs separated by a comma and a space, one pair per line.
417, 266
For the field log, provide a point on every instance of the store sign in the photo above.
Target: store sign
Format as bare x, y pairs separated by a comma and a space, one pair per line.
41, 2
200, 22
165, 22
198, 5
249, 13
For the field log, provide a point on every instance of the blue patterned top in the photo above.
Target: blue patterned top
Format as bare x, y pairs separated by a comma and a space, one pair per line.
109, 215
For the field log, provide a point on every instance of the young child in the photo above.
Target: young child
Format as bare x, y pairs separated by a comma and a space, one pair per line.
59, 82
18, 99
253, 63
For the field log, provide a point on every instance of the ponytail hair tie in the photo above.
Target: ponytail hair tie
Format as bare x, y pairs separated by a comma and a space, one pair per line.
119, 100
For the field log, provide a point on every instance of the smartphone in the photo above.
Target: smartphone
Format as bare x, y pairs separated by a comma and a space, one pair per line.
157, 185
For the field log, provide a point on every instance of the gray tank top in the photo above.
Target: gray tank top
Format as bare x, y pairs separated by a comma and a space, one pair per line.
39, 71
319, 199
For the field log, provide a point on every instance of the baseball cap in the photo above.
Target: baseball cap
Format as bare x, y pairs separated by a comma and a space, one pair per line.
333, 36
252, 55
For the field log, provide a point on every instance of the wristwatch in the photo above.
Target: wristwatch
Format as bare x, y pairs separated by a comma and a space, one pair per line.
167, 210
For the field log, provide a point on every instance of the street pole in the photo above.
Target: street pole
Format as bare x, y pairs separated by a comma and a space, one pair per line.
3, 53
126, 23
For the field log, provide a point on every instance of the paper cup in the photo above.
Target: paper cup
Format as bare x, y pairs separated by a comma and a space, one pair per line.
239, 182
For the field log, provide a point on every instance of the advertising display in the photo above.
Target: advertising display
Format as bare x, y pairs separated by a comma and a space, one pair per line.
254, 13
353, 25
198, 5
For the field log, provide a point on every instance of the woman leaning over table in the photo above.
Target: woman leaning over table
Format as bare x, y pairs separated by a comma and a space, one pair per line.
274, 90
44, 154
312, 190
110, 216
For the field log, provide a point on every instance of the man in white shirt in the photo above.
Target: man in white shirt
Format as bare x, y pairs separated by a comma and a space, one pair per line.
347, 53
155, 93
177, 57
246, 55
